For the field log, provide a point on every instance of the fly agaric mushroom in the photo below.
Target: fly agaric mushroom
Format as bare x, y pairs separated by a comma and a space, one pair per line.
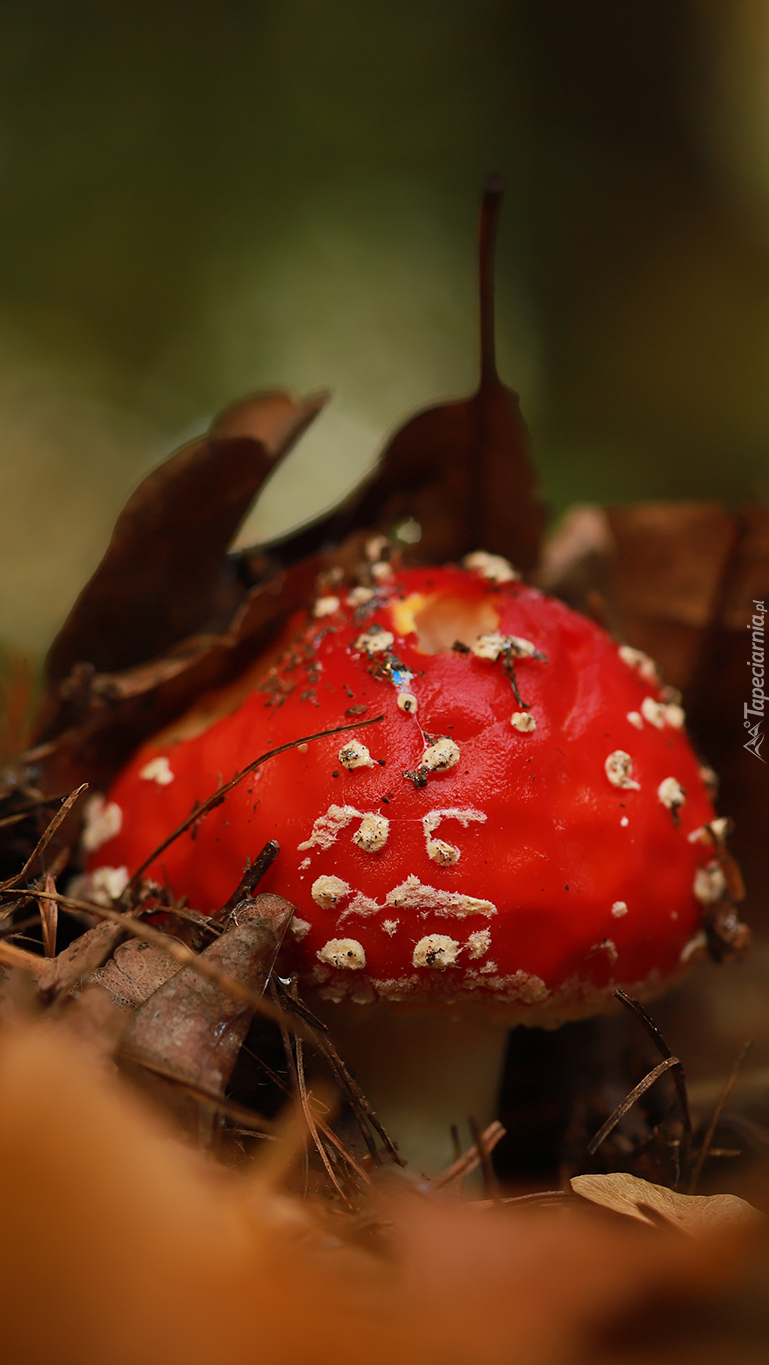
526, 829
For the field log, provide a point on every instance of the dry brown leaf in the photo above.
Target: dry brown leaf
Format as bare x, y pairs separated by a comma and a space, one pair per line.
191, 1027
661, 1207
165, 575
134, 971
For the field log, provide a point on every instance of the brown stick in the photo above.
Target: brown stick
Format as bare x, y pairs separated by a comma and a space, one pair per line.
717, 1112
629, 1100
45, 840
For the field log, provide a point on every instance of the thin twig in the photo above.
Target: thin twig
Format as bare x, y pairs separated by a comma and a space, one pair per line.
327, 1132
252, 876
717, 1112
45, 839
216, 798
358, 1101
629, 1100
679, 1076
9, 931
469, 1161
490, 1182
32, 963
49, 916
309, 1118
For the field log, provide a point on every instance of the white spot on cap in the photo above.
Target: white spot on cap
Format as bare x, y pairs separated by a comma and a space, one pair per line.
360, 905
479, 943
326, 828
355, 755
374, 641
414, 895
390, 926
636, 719
382, 572
103, 820
325, 606
157, 770
671, 793
408, 703
345, 953
372, 833
443, 754
619, 768
442, 853
327, 891
490, 646
635, 658
675, 715
300, 928
523, 721
302, 748
305, 863
619, 909
624, 822
359, 596
709, 884
493, 645
439, 850
492, 567
436, 950
654, 712
102, 886
714, 833
522, 649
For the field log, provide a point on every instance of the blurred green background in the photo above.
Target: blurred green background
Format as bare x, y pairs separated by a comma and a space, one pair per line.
199, 199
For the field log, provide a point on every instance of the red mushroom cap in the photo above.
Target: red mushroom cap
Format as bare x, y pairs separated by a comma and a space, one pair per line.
529, 851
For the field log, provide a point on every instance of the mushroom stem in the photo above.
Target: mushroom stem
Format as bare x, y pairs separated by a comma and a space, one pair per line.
422, 1073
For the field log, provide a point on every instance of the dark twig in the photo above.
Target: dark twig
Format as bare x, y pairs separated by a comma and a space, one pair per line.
679, 1075
10, 930
469, 1161
629, 1100
456, 1143
278, 1002
252, 876
490, 1182
707, 1143
216, 798
46, 838
358, 1102
49, 916
305, 1100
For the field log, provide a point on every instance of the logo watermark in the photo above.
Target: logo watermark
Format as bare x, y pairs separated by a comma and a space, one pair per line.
754, 710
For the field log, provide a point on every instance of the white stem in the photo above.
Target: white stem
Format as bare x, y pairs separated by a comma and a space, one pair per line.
421, 1074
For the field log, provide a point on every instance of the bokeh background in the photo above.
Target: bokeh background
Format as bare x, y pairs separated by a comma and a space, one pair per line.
199, 199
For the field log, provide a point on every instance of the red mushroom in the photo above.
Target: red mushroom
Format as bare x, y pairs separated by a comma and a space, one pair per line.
525, 830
